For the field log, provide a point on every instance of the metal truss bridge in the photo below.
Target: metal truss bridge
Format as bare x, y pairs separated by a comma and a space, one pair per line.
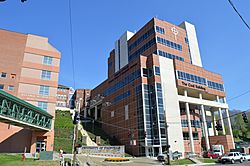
23, 114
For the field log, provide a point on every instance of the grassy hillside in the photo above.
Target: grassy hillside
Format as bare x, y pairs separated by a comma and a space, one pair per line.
63, 131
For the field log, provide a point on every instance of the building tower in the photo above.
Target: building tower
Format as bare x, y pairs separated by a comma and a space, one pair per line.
156, 82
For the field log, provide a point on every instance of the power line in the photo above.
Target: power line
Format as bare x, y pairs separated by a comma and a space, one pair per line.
233, 98
231, 3
71, 45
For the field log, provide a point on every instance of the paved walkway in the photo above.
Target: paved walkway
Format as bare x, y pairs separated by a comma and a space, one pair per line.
141, 161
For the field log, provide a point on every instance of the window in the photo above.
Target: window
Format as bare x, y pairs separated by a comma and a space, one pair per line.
1, 86
44, 90
157, 71
126, 112
168, 55
10, 88
169, 43
43, 105
160, 30
141, 50
3, 75
112, 114
47, 60
46, 75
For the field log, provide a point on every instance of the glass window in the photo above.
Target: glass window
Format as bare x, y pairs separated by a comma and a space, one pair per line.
43, 105
1, 86
3, 75
157, 71
10, 88
47, 60
46, 75
44, 90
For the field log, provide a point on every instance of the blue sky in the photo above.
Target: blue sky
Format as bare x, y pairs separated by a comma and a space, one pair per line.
223, 38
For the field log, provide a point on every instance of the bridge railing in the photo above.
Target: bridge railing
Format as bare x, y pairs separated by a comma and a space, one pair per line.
20, 110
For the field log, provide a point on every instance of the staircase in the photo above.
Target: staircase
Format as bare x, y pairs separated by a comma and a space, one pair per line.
85, 137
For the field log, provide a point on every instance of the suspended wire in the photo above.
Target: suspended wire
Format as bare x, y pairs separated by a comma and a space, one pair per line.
233, 98
231, 3
71, 45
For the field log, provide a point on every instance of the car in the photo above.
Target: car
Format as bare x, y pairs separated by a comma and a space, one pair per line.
161, 157
211, 155
246, 156
232, 157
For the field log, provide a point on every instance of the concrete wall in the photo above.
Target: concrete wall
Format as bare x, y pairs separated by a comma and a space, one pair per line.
171, 105
193, 43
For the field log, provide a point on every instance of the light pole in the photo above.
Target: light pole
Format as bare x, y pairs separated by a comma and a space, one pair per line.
76, 121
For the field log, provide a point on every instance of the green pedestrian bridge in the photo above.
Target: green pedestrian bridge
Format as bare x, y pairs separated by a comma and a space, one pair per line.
23, 114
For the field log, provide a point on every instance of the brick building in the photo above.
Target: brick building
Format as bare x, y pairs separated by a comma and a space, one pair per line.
29, 67
155, 82
63, 96
83, 94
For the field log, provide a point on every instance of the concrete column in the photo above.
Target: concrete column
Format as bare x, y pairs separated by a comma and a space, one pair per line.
95, 112
204, 124
214, 123
190, 129
222, 122
230, 127
205, 127
221, 117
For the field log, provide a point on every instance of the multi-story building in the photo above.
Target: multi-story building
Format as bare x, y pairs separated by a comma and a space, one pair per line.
82, 96
63, 96
29, 67
157, 93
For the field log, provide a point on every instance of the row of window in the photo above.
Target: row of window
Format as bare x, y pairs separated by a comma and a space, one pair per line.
127, 80
10, 87
141, 50
160, 30
170, 56
186, 136
194, 123
4, 75
121, 96
140, 39
191, 78
215, 85
199, 80
169, 43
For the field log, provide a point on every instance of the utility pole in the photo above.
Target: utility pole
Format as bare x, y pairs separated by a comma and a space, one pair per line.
168, 146
76, 121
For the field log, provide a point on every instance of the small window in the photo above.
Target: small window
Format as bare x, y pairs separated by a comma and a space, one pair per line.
126, 112
47, 60
44, 90
10, 88
3, 75
157, 71
46, 75
112, 114
43, 105
1, 86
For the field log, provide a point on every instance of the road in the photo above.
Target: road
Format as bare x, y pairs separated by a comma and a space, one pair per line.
246, 163
98, 161
141, 161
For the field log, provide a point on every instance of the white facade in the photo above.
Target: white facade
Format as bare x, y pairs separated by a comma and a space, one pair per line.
193, 43
121, 50
171, 105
